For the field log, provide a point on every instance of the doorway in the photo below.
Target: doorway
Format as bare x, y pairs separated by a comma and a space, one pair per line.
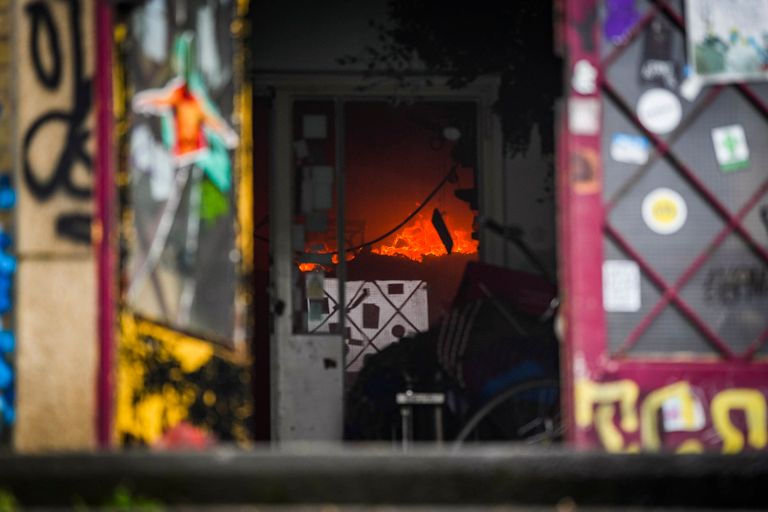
374, 204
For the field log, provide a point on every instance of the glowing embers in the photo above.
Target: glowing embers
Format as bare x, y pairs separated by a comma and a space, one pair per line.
323, 249
419, 239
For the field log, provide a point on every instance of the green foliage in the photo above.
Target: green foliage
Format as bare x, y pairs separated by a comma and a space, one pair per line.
214, 204
8, 501
122, 500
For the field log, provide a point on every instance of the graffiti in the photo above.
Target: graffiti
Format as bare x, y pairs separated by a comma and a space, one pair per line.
47, 61
167, 380
729, 285
181, 379
199, 140
182, 141
7, 258
626, 422
752, 403
7, 336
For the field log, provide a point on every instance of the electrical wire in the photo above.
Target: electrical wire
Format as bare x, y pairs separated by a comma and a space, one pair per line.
405, 221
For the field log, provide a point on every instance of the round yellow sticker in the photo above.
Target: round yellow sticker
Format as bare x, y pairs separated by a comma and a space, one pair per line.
664, 211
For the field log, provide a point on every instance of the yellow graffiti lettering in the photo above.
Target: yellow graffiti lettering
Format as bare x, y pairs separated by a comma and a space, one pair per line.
610, 436
690, 446
624, 392
649, 412
606, 397
752, 402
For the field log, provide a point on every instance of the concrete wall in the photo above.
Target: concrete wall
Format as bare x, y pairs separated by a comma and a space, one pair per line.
55, 312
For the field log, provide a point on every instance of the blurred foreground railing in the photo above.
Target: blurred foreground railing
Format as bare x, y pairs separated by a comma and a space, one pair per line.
374, 475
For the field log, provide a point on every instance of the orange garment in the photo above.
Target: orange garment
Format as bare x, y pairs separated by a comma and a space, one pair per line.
190, 113
189, 116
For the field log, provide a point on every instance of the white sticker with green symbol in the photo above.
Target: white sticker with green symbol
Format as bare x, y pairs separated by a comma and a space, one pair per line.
731, 147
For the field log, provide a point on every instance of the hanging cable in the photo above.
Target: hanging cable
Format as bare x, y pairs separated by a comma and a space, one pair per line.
446, 179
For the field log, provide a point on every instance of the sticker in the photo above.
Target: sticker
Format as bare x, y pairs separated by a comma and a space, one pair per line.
315, 285
621, 16
584, 116
731, 147
664, 211
726, 40
630, 149
659, 110
584, 171
675, 419
621, 286
584, 77
658, 65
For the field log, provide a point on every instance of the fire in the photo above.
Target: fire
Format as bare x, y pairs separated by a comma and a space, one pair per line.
419, 239
414, 241
309, 267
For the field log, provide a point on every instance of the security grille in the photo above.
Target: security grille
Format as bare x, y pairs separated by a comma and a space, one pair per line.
703, 281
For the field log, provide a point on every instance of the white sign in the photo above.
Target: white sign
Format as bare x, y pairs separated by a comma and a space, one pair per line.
584, 116
584, 77
378, 314
621, 286
731, 147
659, 110
630, 149
664, 211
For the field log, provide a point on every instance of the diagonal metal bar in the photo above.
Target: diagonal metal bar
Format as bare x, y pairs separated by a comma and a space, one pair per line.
641, 327
756, 102
659, 281
678, 19
757, 345
733, 222
689, 175
660, 150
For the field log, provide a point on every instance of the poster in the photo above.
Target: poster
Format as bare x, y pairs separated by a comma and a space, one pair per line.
727, 40
182, 251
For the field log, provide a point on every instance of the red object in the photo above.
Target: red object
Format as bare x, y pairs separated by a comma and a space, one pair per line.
184, 436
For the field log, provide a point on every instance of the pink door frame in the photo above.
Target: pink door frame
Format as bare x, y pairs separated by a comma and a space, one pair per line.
582, 224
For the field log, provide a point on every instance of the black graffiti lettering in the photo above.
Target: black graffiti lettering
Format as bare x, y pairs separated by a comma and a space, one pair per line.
732, 285
43, 185
42, 24
75, 226
74, 150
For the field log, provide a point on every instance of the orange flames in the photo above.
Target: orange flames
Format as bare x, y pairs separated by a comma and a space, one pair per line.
309, 267
419, 239
415, 241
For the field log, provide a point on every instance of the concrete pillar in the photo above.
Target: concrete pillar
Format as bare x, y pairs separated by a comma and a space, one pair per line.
55, 290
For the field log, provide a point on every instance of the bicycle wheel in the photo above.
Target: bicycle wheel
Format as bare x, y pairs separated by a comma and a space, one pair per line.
527, 412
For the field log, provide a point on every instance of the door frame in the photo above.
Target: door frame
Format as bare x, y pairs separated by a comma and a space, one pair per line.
284, 90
